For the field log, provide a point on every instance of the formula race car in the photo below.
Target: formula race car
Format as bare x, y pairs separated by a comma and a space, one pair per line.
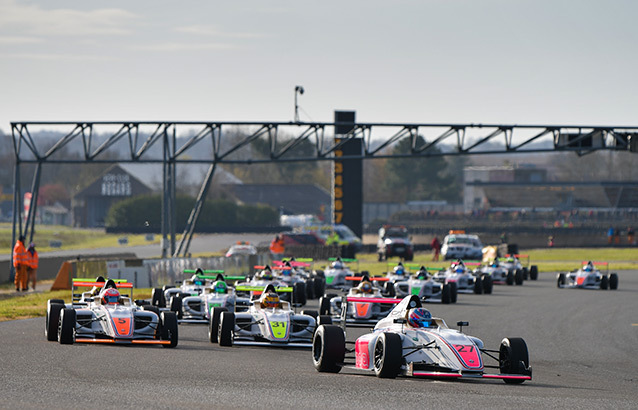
410, 342
422, 285
588, 276
501, 273
218, 293
104, 315
336, 273
364, 304
278, 277
513, 264
465, 281
269, 321
194, 286
315, 280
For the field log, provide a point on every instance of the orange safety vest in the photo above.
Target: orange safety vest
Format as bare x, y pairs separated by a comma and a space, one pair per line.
32, 259
19, 254
277, 246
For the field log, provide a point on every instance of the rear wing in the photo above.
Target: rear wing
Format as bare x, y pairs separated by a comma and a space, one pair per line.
359, 278
257, 290
91, 283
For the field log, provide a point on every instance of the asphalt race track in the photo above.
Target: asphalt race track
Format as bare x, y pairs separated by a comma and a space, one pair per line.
583, 349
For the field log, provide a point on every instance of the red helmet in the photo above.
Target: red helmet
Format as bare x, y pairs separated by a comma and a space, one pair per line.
111, 296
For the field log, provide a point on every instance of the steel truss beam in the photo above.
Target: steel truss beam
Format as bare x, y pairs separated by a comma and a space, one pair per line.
230, 143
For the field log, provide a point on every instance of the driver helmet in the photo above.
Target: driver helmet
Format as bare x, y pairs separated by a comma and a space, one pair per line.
111, 296
286, 271
588, 268
337, 265
269, 300
365, 287
399, 270
197, 280
220, 287
458, 269
266, 274
419, 317
422, 273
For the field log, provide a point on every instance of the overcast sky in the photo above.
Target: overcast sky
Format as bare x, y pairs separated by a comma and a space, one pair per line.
422, 61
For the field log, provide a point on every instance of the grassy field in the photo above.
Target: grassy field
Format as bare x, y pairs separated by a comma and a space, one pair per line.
71, 238
20, 306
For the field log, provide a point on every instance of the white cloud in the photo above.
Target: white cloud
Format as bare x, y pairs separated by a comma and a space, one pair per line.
31, 20
55, 56
17, 40
212, 31
176, 46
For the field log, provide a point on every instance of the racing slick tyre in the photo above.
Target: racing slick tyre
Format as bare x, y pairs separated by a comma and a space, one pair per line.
226, 329
213, 323
320, 286
165, 287
533, 272
324, 320
168, 328
150, 308
453, 292
324, 305
328, 348
446, 297
613, 281
509, 279
52, 319
488, 284
320, 273
389, 289
388, 355
478, 285
525, 273
157, 298
560, 280
604, 282
518, 277
66, 330
513, 358
310, 289
176, 305
312, 313
299, 297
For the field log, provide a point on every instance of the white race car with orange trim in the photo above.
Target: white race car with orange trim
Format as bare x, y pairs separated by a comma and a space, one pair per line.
103, 315
460, 275
588, 276
269, 321
410, 342
363, 305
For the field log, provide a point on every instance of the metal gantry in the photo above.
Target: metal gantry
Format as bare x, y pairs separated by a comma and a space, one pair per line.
214, 143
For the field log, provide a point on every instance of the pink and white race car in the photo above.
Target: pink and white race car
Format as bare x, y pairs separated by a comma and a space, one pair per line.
410, 342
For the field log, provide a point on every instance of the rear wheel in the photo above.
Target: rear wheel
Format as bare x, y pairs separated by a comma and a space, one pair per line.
176, 306
513, 358
310, 288
328, 348
388, 352
453, 292
150, 308
320, 286
604, 282
226, 329
478, 285
169, 328
213, 323
613, 281
66, 329
157, 298
560, 280
446, 296
299, 293
52, 319
509, 279
324, 320
389, 289
525, 273
518, 277
324, 305
533, 272
487, 284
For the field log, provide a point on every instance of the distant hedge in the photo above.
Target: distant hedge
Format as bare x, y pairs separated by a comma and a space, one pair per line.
145, 210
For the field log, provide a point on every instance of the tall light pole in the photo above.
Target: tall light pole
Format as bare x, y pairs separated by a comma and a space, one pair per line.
298, 90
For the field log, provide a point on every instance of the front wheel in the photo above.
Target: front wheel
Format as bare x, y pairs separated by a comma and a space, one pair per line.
169, 328
324, 305
157, 298
300, 294
478, 286
518, 277
488, 285
533, 272
52, 319
560, 280
66, 329
328, 348
513, 358
613, 281
388, 352
226, 329
509, 279
453, 292
604, 282
176, 306
446, 296
213, 323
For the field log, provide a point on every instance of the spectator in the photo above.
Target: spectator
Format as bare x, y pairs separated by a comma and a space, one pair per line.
610, 235
277, 247
550, 241
617, 236
436, 247
20, 265
32, 264
333, 238
631, 236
